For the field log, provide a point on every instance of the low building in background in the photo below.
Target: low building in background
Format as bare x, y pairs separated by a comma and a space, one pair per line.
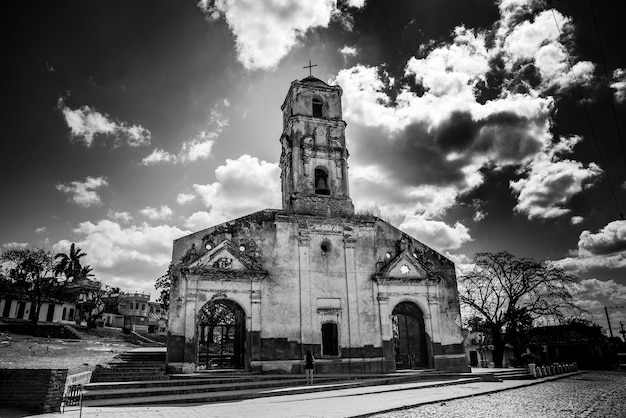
134, 312
87, 299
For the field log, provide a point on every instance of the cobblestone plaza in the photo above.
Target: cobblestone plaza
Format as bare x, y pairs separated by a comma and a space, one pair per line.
587, 394
594, 394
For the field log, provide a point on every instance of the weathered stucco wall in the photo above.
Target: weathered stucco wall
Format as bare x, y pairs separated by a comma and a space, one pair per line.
317, 270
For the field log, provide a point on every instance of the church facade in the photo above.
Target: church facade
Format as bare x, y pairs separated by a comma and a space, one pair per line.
260, 291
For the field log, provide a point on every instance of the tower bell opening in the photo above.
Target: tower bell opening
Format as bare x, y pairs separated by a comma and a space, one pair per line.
317, 108
321, 182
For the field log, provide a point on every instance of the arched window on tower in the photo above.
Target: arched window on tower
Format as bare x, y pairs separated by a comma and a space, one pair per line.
317, 107
321, 181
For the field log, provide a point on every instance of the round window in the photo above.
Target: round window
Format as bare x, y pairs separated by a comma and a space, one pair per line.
326, 246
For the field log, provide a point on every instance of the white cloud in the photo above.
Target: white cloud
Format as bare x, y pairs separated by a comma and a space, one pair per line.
226, 102
608, 289
417, 136
603, 249
619, 85
453, 69
157, 156
119, 216
553, 65
266, 30
40, 230
479, 216
202, 219
84, 193
436, 234
584, 262
242, 186
348, 51
193, 149
526, 38
164, 212
15, 245
609, 239
129, 257
550, 183
537, 41
184, 198
577, 220
198, 148
87, 123
420, 152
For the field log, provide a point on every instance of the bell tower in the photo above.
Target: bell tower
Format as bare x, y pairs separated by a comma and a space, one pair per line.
314, 158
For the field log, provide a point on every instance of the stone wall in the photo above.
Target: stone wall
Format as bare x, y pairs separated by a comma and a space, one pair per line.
33, 390
40, 330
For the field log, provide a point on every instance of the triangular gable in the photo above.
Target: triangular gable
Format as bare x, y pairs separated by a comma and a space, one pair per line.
223, 256
404, 267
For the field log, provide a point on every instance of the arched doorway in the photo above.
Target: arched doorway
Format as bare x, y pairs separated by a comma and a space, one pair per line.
222, 335
409, 336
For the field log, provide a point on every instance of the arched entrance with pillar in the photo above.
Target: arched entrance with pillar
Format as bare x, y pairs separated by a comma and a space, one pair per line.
222, 335
409, 336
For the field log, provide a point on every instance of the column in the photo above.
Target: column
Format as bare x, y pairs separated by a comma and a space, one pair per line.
304, 273
352, 295
385, 317
255, 320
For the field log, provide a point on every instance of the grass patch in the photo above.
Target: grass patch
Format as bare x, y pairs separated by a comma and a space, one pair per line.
28, 352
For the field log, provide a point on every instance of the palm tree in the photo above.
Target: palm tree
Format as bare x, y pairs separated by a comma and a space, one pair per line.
69, 264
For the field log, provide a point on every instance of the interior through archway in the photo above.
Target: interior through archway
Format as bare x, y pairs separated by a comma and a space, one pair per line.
409, 336
222, 335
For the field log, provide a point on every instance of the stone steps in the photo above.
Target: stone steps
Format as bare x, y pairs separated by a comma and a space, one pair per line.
136, 365
513, 374
187, 389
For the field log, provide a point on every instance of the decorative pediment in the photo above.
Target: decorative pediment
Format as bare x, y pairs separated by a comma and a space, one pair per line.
403, 267
225, 256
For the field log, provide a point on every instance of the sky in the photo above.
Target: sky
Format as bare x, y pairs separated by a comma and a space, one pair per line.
473, 125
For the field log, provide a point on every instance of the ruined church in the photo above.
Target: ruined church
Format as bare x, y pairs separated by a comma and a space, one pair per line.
260, 291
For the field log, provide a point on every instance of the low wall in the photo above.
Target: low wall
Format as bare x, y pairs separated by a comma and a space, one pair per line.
33, 390
39, 330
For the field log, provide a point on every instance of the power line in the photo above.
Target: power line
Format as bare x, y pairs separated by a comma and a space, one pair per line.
593, 132
619, 133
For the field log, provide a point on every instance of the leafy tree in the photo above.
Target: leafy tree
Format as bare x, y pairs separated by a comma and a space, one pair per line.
509, 292
69, 264
164, 283
31, 274
482, 335
81, 286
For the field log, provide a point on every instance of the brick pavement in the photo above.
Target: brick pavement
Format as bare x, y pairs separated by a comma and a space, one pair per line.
340, 403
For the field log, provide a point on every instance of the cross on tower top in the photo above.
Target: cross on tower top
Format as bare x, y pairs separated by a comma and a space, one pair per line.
309, 67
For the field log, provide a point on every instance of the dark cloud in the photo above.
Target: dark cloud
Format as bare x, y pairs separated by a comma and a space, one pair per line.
507, 136
457, 132
420, 154
413, 156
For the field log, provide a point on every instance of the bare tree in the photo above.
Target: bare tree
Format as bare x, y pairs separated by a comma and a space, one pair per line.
509, 291
31, 274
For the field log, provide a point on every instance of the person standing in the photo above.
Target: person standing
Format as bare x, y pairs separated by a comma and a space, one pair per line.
309, 367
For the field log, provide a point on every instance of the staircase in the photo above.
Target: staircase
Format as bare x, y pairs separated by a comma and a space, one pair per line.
132, 366
231, 385
513, 374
